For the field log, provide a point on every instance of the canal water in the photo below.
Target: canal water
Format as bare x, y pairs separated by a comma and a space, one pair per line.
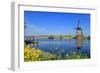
63, 46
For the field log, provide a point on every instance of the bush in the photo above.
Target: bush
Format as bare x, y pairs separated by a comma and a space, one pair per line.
33, 54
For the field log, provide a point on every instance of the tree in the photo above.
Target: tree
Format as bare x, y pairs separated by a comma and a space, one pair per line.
50, 37
88, 37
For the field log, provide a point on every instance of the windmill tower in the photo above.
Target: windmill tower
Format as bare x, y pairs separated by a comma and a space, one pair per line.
79, 35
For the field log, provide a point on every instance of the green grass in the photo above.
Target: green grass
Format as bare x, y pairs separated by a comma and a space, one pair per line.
33, 54
76, 55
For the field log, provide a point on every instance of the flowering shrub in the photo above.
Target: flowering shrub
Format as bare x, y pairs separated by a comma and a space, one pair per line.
33, 54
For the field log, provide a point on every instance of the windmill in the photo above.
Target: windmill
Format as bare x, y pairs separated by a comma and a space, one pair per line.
79, 35
79, 31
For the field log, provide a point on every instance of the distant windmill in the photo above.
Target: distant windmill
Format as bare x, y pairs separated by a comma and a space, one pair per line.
79, 35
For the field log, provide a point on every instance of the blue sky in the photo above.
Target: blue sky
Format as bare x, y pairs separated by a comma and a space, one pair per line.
54, 23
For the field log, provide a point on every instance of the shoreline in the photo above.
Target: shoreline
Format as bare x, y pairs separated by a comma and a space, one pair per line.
33, 54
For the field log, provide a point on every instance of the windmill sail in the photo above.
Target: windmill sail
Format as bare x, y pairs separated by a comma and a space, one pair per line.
79, 31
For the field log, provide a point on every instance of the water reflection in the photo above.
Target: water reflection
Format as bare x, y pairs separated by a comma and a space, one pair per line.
63, 49
79, 43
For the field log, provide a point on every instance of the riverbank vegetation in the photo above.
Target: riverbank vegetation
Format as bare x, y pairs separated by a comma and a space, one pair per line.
76, 55
56, 37
34, 54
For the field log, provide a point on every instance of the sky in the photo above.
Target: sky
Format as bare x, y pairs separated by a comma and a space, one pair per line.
39, 23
